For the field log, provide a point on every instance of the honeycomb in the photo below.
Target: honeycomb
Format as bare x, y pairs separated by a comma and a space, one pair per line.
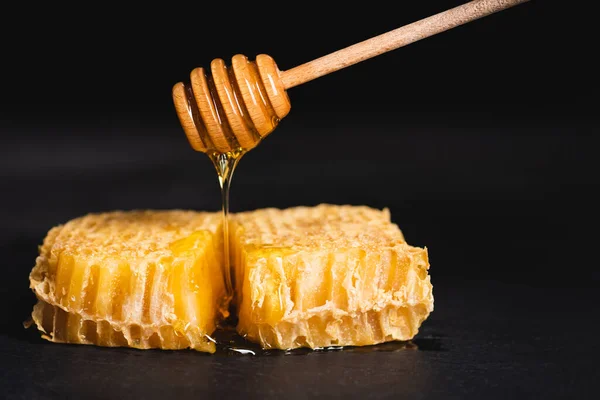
328, 275
143, 279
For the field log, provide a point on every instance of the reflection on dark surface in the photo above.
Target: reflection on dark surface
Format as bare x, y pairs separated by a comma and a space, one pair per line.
98, 372
473, 353
229, 342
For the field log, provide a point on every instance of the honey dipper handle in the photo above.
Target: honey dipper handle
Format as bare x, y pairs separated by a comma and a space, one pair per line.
393, 39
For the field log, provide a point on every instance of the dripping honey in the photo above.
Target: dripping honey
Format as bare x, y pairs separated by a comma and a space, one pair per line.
220, 120
227, 113
225, 164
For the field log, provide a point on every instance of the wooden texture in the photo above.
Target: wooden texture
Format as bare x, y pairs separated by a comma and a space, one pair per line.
393, 39
233, 109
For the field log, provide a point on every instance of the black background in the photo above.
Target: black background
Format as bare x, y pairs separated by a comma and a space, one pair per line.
481, 141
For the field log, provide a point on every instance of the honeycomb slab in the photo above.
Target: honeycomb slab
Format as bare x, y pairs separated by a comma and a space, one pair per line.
329, 275
143, 279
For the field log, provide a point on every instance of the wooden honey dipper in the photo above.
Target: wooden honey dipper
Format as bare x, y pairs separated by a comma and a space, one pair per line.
233, 109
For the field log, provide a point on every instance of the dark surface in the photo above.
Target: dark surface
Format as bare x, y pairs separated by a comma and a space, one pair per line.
484, 340
482, 141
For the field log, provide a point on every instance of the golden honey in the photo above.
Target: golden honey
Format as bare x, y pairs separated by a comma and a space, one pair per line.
312, 277
327, 276
143, 279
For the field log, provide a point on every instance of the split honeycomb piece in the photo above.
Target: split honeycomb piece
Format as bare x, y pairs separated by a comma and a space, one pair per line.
327, 276
143, 279
304, 277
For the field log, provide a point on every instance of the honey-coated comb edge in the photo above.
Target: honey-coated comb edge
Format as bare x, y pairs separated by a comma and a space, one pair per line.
144, 279
98, 282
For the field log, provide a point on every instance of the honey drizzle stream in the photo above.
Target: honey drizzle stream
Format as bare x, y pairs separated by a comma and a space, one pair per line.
225, 164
